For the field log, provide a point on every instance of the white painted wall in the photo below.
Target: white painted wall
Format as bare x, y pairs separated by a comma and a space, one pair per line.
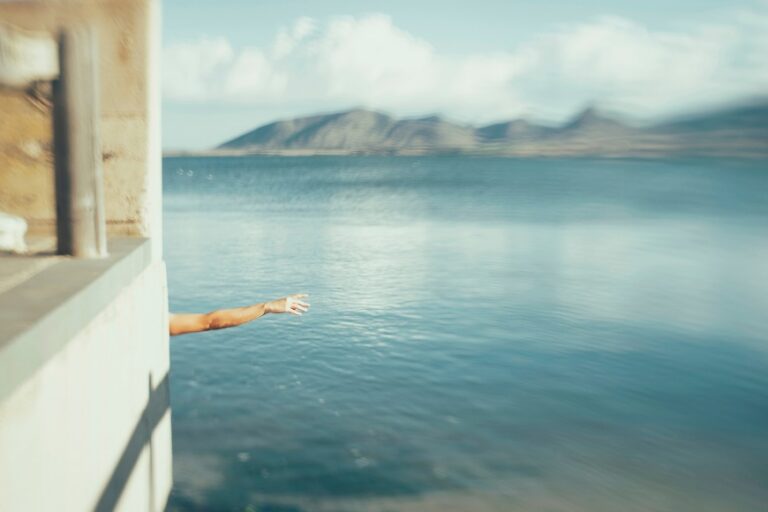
63, 431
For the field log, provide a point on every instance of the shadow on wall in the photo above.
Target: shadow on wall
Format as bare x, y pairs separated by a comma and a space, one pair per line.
157, 406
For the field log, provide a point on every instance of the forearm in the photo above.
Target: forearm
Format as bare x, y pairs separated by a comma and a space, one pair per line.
185, 323
224, 318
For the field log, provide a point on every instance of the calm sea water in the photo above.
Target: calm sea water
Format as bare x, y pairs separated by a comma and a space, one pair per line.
485, 334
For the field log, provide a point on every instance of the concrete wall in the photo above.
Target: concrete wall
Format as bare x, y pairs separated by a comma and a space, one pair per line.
84, 364
85, 432
128, 48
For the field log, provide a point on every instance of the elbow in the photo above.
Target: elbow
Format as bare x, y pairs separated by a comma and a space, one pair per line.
214, 321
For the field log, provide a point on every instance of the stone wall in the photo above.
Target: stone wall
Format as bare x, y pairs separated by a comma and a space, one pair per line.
129, 107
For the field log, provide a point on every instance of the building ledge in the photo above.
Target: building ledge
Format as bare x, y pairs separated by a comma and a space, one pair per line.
41, 314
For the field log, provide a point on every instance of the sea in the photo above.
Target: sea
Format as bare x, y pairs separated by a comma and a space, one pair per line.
485, 334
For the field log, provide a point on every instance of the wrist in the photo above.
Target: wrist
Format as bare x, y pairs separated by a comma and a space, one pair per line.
268, 307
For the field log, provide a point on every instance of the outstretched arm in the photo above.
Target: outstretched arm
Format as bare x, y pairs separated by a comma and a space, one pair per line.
185, 323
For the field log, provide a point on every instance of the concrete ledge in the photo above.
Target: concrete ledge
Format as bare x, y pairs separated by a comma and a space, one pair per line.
41, 315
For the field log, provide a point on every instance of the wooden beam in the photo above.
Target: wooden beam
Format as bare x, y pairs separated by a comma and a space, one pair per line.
80, 221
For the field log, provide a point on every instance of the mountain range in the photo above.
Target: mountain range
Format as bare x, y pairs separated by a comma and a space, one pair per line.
737, 131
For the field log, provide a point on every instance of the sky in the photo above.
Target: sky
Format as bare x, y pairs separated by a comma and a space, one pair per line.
232, 65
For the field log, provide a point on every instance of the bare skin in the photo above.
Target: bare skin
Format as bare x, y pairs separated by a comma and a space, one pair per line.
185, 323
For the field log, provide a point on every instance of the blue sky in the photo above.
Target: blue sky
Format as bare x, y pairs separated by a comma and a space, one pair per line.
232, 65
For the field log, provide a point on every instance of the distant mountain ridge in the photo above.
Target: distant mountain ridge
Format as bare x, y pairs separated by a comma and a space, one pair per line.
355, 130
738, 131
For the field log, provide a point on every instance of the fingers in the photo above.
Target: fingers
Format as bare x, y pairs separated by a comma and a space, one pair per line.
300, 306
295, 306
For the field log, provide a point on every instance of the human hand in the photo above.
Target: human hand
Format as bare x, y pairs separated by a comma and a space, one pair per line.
291, 304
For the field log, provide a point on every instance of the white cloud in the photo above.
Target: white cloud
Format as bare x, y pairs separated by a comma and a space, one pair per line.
642, 71
287, 40
368, 61
190, 68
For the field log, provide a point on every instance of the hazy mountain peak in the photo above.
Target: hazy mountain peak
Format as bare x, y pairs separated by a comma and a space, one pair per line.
591, 132
434, 118
511, 130
591, 118
360, 112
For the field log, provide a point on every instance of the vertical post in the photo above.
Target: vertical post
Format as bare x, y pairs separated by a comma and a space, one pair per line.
80, 220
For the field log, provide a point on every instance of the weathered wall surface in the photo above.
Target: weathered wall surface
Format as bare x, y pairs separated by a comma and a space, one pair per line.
74, 436
84, 405
26, 166
129, 115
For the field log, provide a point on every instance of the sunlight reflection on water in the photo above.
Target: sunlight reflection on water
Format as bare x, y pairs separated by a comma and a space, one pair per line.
486, 334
